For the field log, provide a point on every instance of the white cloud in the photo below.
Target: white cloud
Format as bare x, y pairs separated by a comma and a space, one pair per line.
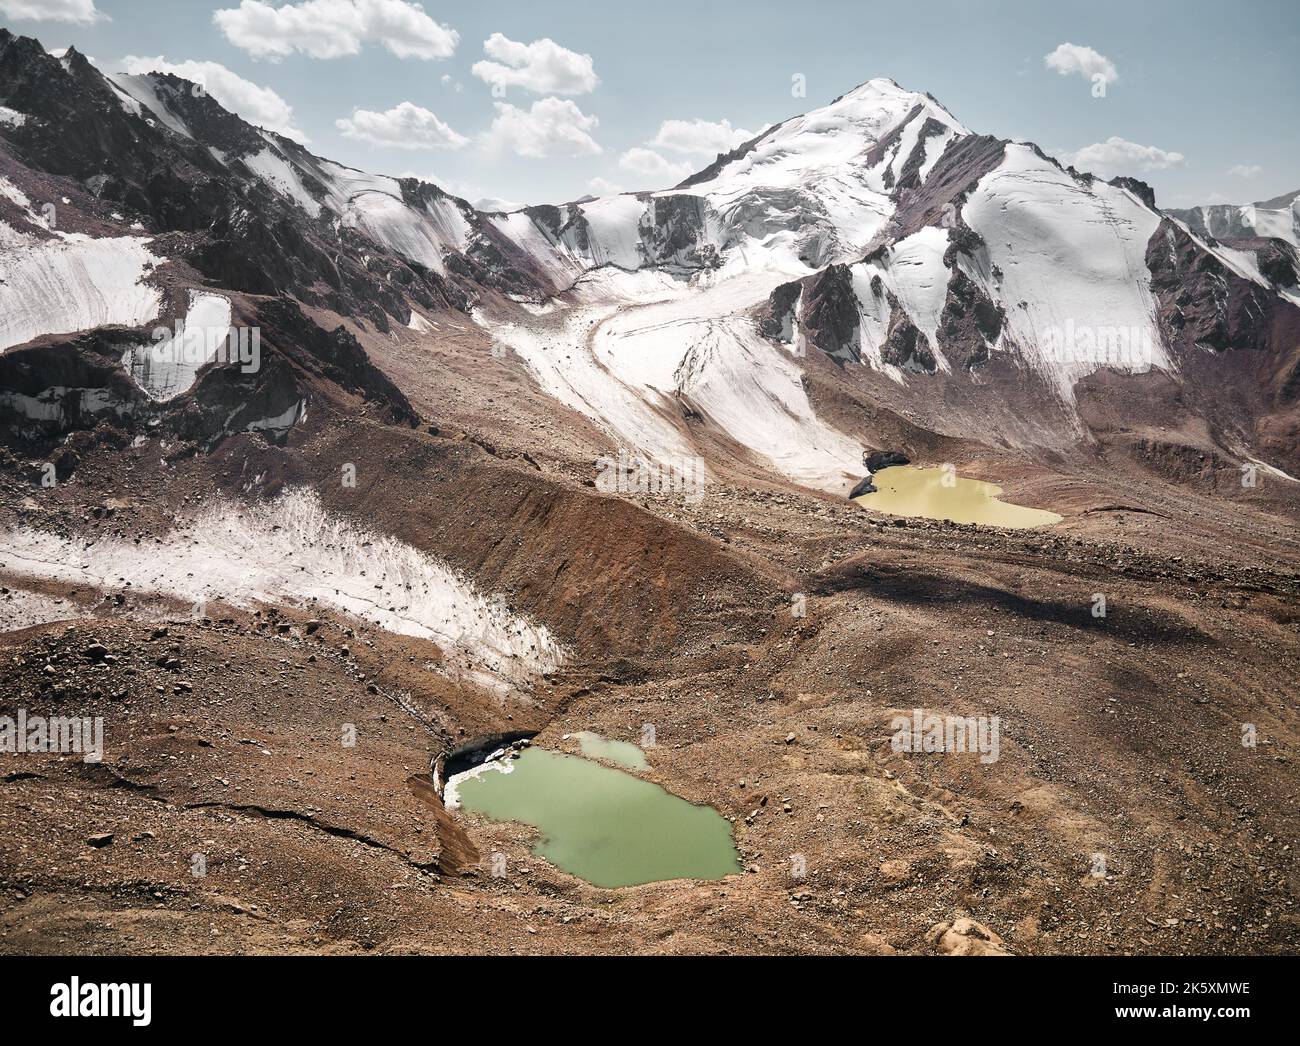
80, 12
1071, 59
335, 28
473, 193
652, 169
543, 67
1119, 156
496, 203
1242, 170
700, 136
552, 127
404, 126
259, 105
604, 187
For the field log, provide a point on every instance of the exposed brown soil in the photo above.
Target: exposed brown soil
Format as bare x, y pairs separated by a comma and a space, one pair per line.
1120, 736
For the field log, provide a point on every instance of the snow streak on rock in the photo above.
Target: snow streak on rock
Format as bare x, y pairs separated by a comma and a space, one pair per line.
20, 608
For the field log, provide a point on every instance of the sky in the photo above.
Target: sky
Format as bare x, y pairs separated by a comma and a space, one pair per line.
536, 101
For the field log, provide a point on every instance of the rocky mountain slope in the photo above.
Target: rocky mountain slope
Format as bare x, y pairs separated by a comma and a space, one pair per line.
1275, 219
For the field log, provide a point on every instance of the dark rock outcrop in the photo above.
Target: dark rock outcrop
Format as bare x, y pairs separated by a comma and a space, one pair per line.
831, 313
1138, 188
970, 323
778, 322
334, 355
965, 160
905, 346
673, 233
1201, 301
1278, 262
910, 175
882, 459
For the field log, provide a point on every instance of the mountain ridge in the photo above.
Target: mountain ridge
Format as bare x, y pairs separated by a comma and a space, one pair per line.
949, 264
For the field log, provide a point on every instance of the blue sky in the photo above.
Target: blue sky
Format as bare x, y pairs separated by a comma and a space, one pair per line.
1203, 98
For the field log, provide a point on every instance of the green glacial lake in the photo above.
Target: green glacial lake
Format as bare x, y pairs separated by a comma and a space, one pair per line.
906, 491
601, 824
624, 753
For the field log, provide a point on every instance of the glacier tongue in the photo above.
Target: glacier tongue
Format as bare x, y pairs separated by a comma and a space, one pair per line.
635, 349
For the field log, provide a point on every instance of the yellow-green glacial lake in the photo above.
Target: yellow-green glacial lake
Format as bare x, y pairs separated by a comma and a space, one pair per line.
601, 824
907, 491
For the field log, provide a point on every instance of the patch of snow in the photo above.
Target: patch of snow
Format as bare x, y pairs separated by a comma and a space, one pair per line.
168, 367
538, 308
291, 551
11, 237
1073, 262
20, 608
73, 284
420, 325
139, 92
11, 117
283, 178
1273, 470
13, 194
277, 425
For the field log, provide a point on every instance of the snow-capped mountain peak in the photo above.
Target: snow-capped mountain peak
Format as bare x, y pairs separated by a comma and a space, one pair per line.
872, 130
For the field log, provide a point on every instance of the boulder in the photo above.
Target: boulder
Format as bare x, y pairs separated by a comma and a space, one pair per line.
881, 459
865, 486
965, 936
